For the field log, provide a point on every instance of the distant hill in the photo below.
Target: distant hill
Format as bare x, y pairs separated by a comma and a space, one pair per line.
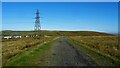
55, 33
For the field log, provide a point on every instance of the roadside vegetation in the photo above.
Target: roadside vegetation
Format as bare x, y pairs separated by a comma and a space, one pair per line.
35, 56
12, 47
104, 45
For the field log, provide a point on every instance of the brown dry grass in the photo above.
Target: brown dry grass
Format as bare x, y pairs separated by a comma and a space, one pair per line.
105, 44
13, 47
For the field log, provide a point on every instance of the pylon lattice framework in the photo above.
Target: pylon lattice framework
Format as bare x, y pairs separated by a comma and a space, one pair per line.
37, 26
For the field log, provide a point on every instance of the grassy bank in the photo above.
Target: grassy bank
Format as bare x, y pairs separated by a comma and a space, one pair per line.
96, 48
32, 57
13, 47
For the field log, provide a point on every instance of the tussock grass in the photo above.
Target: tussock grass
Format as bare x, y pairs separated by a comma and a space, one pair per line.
14, 47
35, 56
105, 44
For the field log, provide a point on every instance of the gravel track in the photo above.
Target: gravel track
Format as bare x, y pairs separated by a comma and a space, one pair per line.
64, 54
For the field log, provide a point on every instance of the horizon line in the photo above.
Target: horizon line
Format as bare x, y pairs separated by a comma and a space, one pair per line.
65, 30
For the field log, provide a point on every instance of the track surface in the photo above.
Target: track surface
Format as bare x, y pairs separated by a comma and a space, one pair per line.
60, 52
64, 54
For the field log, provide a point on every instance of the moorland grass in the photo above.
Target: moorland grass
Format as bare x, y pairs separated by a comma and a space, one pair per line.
16, 46
106, 46
33, 56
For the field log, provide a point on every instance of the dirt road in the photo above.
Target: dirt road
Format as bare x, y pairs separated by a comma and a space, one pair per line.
63, 54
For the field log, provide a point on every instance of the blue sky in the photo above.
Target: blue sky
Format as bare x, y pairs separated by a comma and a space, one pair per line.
60, 0
75, 16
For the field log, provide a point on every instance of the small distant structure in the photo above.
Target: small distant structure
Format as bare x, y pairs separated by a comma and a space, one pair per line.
12, 37
26, 36
7, 37
17, 36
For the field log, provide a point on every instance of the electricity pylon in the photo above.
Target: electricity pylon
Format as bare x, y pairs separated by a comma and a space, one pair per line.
37, 26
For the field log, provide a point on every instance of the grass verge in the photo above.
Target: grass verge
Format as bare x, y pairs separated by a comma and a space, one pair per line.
99, 57
32, 57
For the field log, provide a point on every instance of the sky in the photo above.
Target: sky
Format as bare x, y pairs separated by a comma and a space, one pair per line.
67, 16
60, 0
0, 16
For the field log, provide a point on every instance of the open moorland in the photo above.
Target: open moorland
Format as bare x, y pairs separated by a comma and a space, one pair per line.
60, 48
